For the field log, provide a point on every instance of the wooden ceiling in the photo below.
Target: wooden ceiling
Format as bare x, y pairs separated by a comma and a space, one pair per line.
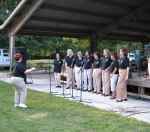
108, 19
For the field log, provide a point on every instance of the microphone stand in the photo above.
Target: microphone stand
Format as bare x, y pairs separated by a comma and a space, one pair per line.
72, 87
81, 89
50, 84
63, 87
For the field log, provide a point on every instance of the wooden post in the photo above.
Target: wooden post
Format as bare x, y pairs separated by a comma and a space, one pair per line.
11, 49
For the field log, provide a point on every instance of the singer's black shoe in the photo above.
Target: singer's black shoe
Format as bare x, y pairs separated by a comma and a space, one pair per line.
119, 100
90, 90
58, 86
84, 90
67, 87
125, 99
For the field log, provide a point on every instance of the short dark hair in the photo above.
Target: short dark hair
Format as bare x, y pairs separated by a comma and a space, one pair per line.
18, 51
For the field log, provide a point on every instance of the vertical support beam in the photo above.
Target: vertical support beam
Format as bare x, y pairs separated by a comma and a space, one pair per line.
26, 16
11, 49
93, 43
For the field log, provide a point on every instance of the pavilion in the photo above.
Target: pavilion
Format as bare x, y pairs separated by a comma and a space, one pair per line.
104, 19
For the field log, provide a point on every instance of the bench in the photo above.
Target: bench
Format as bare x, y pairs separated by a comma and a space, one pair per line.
141, 84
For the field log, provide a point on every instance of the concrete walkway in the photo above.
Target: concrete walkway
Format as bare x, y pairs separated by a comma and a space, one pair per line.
136, 108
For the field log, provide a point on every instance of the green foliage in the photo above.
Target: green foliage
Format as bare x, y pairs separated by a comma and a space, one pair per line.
6, 7
115, 45
3, 41
44, 64
45, 46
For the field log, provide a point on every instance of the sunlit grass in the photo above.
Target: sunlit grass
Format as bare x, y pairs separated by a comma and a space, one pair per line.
47, 113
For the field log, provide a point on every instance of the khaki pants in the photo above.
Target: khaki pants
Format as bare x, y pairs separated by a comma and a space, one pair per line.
70, 77
57, 78
20, 91
106, 82
97, 80
121, 90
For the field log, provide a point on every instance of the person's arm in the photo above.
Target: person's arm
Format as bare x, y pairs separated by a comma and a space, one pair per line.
115, 70
61, 66
127, 75
29, 70
110, 65
65, 61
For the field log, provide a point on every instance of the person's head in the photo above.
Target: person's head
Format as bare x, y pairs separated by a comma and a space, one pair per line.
69, 52
95, 55
79, 54
18, 56
106, 52
114, 56
87, 54
57, 56
123, 53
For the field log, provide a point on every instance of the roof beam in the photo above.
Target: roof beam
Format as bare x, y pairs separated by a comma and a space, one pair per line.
13, 14
21, 20
55, 32
57, 29
75, 10
135, 29
126, 38
131, 32
68, 21
117, 3
96, 5
135, 26
115, 24
47, 25
49, 13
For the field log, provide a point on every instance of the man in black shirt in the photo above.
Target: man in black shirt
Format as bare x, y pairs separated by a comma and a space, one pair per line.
57, 69
18, 79
19, 69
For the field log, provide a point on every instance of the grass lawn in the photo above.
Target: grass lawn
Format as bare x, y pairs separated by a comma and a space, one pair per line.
54, 114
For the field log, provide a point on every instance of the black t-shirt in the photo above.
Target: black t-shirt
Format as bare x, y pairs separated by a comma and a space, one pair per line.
79, 62
114, 65
19, 69
106, 62
88, 62
123, 62
97, 63
58, 65
70, 61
